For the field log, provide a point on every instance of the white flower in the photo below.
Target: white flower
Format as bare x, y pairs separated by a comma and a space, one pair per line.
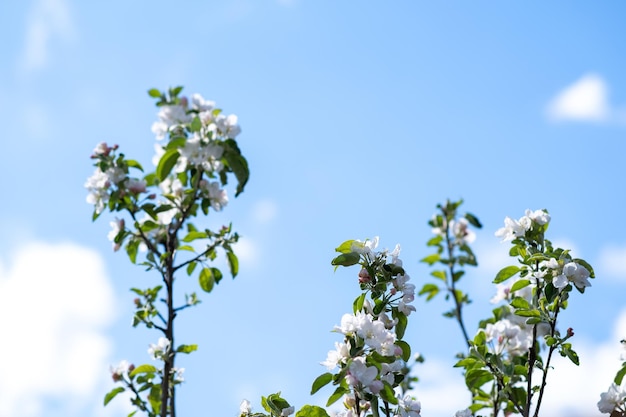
461, 231
512, 229
159, 129
409, 406
540, 217
228, 125
135, 186
217, 195
287, 411
159, 350
172, 186
116, 227
178, 374
118, 372
577, 274
365, 248
337, 356
102, 149
97, 185
245, 408
200, 104
613, 399
622, 356
405, 309
360, 373
463, 413
508, 337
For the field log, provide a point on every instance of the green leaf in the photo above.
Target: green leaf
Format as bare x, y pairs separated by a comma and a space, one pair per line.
506, 273
166, 163
476, 378
153, 92
206, 280
134, 164
196, 124
275, 404
431, 259
186, 247
237, 164
440, 274
312, 411
388, 394
620, 375
357, 305
518, 285
346, 259
143, 369
339, 392
473, 220
434, 241
519, 302
406, 349
321, 381
431, 289
345, 247
401, 325
191, 236
187, 348
528, 313
191, 267
233, 263
111, 394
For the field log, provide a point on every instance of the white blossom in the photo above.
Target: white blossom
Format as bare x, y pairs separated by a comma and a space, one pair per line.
360, 374
160, 349
245, 408
612, 399
116, 226
461, 231
409, 406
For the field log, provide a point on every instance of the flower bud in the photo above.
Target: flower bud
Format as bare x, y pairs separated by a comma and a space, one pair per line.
364, 276
570, 332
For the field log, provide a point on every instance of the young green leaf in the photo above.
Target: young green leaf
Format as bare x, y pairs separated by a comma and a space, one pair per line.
506, 273
321, 381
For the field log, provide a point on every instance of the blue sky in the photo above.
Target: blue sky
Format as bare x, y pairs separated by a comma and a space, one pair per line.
357, 118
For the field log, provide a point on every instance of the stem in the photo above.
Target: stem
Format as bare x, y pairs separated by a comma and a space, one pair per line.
547, 365
458, 305
169, 398
166, 399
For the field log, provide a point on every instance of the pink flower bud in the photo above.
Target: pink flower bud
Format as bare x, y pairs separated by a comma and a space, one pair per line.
364, 276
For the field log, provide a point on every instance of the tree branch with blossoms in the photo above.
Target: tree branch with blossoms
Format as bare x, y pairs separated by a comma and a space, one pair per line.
506, 351
196, 153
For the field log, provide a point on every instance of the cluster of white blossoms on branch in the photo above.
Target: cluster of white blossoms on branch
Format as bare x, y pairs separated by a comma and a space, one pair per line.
517, 228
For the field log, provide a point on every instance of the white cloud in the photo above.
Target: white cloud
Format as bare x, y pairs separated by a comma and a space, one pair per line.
584, 100
612, 262
46, 20
441, 389
247, 251
264, 211
55, 301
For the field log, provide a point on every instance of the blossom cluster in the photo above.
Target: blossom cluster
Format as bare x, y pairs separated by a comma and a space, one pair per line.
517, 228
371, 357
111, 175
198, 137
613, 400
